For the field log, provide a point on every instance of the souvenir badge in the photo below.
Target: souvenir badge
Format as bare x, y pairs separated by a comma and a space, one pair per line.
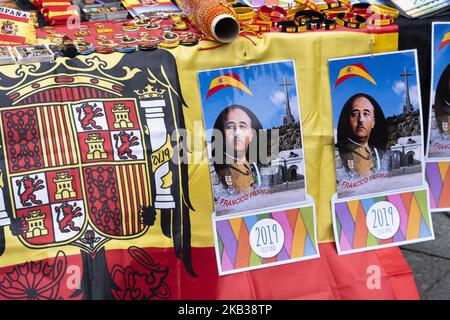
85, 50
147, 46
83, 33
125, 48
189, 40
170, 36
82, 43
104, 30
141, 23
130, 28
180, 25
153, 26
169, 44
150, 39
107, 43
105, 49
128, 40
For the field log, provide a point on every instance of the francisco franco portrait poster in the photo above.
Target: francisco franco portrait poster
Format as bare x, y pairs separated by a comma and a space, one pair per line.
439, 128
253, 131
377, 123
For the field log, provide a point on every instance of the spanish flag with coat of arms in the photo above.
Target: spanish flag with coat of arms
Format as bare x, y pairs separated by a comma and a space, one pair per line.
16, 27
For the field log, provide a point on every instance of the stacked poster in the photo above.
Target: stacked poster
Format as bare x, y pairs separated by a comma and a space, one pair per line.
263, 215
438, 151
382, 197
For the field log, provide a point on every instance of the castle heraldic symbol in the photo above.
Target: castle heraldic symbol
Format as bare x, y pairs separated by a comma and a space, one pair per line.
89, 163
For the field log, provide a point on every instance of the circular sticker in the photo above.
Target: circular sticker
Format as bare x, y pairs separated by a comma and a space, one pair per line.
147, 46
383, 220
106, 42
82, 33
267, 238
141, 23
153, 26
171, 36
127, 39
169, 44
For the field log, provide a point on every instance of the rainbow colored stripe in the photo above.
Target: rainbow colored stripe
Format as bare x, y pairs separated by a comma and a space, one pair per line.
234, 244
438, 177
352, 232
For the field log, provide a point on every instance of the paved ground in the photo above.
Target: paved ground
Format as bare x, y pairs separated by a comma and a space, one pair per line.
430, 261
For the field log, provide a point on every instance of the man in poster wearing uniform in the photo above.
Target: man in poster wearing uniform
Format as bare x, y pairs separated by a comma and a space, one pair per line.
442, 102
362, 135
238, 127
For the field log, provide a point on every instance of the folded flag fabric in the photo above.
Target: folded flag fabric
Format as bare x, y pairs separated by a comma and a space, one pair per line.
56, 11
58, 14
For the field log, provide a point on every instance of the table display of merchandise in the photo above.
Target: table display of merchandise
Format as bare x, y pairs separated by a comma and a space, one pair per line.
166, 146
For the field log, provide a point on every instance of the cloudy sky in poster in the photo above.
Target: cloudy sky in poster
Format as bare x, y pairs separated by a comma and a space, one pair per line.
268, 100
441, 56
390, 88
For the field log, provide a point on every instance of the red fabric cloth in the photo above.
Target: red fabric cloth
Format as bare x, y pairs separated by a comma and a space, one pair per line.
328, 277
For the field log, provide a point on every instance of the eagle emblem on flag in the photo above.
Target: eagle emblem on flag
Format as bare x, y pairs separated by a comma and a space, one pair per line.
82, 165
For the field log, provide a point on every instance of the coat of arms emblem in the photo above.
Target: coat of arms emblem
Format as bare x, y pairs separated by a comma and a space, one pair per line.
9, 27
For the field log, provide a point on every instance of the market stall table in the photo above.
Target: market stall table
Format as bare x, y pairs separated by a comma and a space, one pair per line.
328, 277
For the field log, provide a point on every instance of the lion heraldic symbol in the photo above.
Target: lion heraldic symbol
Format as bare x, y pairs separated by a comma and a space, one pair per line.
127, 141
30, 186
69, 213
90, 112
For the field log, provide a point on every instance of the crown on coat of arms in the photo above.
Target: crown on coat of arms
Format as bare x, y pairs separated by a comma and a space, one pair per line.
34, 215
150, 92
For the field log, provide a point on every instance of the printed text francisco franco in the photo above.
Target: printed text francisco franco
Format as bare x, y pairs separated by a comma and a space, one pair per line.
360, 182
245, 197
